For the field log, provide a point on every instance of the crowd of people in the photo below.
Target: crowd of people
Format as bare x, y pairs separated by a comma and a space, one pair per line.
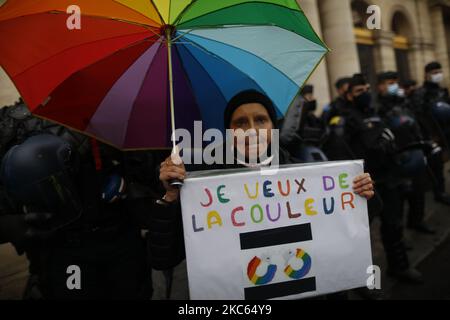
401, 130
116, 215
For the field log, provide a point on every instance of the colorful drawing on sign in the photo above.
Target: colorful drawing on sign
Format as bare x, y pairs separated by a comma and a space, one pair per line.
254, 277
293, 281
272, 268
304, 270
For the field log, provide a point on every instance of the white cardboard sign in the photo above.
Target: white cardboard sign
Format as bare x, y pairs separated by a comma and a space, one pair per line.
297, 234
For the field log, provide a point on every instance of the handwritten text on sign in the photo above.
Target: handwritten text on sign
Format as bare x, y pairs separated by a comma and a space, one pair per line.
298, 234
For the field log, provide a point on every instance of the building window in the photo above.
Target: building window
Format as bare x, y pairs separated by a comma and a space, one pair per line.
366, 61
401, 29
401, 58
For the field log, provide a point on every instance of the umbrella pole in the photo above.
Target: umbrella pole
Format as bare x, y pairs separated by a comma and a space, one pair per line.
172, 104
174, 182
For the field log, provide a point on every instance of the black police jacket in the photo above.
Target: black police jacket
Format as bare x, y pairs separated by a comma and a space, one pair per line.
400, 120
421, 104
363, 134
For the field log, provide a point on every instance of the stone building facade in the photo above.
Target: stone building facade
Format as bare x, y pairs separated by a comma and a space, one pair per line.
413, 33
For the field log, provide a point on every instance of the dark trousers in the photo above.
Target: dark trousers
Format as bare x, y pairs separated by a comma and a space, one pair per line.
436, 165
392, 226
416, 201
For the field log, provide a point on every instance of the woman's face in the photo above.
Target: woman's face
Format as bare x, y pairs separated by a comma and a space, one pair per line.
255, 134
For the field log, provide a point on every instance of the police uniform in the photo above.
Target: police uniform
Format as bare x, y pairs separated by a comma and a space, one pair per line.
361, 134
105, 242
423, 104
411, 157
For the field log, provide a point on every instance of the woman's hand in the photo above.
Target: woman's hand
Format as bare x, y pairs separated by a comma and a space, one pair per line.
363, 186
172, 168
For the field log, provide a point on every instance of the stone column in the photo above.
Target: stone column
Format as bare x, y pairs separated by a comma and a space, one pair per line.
8, 92
421, 45
440, 40
337, 28
320, 77
416, 60
384, 52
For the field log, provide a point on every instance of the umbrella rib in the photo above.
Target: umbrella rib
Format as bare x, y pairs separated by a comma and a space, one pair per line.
91, 64
159, 13
224, 61
123, 134
83, 44
221, 27
87, 134
139, 92
188, 80
289, 79
170, 9
239, 4
182, 35
77, 130
140, 13
300, 10
206, 72
181, 14
248, 52
91, 16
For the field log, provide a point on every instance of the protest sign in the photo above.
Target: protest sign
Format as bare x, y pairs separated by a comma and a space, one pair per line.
299, 233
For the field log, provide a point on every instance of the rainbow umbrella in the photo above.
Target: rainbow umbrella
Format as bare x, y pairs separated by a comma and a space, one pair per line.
138, 69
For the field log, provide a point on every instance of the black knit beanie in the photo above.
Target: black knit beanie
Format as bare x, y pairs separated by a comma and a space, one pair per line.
249, 96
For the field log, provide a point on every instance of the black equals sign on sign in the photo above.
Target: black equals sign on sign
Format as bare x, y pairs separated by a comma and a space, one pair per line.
275, 237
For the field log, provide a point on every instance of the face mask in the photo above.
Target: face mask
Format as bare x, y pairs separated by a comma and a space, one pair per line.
401, 93
437, 78
393, 89
363, 101
311, 106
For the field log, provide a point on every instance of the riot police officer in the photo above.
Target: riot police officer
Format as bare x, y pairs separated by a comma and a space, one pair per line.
333, 108
411, 155
101, 236
367, 137
431, 107
16, 125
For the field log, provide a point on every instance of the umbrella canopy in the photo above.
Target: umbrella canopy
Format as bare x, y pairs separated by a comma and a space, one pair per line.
117, 77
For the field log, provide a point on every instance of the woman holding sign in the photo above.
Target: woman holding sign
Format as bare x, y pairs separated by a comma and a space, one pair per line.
252, 117
249, 111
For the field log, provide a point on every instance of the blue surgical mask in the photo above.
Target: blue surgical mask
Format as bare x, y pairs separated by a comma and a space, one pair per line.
393, 89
